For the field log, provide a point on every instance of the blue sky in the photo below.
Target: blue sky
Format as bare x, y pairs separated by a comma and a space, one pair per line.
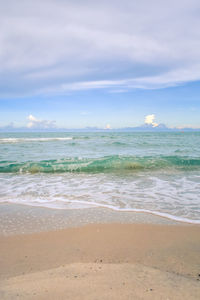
79, 63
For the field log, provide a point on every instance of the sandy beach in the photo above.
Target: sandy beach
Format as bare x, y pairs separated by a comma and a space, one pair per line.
102, 261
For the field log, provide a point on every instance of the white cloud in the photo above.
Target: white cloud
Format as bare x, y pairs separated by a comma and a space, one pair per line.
168, 79
108, 126
36, 123
149, 120
70, 45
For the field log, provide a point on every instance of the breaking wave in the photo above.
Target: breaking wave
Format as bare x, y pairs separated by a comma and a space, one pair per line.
113, 163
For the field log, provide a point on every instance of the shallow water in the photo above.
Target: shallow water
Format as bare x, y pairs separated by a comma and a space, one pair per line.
156, 172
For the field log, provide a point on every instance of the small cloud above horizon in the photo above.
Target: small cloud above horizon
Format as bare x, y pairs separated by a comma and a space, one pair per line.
40, 124
108, 126
149, 120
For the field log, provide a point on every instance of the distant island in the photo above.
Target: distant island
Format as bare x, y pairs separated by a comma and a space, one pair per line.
142, 128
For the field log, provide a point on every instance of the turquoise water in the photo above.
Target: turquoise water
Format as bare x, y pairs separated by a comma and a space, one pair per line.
153, 172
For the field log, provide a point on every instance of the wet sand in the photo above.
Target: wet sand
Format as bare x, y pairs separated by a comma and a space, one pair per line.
102, 261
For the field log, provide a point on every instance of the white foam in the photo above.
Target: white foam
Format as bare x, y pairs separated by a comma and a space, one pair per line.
160, 214
20, 140
177, 199
84, 204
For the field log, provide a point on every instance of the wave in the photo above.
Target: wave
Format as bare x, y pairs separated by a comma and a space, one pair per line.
113, 163
21, 140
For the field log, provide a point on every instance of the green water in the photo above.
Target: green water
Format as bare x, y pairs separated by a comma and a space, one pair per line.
157, 172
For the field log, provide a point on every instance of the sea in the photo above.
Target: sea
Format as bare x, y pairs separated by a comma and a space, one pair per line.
151, 172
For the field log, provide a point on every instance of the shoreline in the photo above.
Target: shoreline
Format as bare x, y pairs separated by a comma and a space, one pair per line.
26, 219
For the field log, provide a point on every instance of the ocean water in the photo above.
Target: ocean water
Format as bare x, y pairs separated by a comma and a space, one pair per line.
152, 172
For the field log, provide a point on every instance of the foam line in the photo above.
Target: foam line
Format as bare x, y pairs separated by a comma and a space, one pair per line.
91, 204
18, 140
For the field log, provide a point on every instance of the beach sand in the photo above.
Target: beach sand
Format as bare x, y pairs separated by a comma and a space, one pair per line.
102, 261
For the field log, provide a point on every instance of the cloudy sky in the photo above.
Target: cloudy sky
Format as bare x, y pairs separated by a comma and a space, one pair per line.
91, 63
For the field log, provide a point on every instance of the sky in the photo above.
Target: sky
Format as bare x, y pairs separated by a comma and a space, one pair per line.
113, 64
